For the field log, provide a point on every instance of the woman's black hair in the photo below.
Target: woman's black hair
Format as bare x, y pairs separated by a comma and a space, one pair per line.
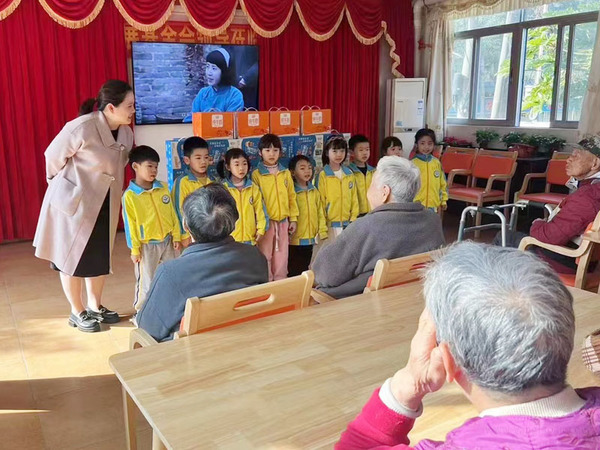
228, 72
389, 141
295, 160
335, 141
269, 140
112, 92
232, 153
423, 132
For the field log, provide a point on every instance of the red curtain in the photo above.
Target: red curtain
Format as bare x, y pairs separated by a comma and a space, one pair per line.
321, 17
267, 17
210, 17
46, 72
400, 26
340, 74
147, 15
366, 16
73, 13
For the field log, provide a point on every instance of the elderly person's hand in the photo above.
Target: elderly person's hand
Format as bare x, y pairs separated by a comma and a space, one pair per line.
424, 372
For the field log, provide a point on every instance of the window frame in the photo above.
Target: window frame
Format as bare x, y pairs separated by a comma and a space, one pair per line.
517, 65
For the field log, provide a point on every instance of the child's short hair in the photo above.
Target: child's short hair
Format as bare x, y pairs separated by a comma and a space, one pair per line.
389, 141
232, 153
423, 132
143, 153
334, 141
295, 160
192, 143
357, 139
269, 140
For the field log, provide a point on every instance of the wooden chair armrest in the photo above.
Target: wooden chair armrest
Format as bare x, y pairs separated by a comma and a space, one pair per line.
455, 172
496, 177
317, 297
565, 251
526, 180
593, 236
140, 338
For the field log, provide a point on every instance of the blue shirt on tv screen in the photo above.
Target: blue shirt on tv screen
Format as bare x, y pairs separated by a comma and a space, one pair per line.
223, 99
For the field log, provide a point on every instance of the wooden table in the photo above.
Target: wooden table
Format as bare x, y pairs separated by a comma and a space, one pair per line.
295, 380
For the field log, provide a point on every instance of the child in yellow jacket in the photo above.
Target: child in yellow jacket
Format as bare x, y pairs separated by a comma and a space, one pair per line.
363, 172
253, 221
311, 218
337, 186
196, 156
151, 225
434, 190
277, 187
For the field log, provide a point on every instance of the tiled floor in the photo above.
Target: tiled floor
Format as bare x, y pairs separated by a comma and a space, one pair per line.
56, 388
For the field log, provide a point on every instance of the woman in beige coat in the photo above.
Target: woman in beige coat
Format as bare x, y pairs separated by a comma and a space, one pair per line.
78, 221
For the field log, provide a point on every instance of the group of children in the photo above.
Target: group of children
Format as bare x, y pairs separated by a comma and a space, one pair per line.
280, 210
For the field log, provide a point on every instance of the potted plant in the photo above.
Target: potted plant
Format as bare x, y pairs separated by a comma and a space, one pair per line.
484, 137
516, 141
555, 144
455, 142
545, 144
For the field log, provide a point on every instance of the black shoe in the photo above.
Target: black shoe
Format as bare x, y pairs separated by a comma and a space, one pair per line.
84, 322
104, 315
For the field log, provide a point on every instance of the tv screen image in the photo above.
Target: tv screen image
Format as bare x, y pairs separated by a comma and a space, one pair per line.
172, 80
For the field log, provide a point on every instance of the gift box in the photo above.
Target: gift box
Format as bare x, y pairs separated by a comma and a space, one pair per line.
315, 121
214, 125
175, 164
252, 123
285, 123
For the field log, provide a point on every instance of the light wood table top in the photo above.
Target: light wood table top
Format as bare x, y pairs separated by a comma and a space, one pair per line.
295, 380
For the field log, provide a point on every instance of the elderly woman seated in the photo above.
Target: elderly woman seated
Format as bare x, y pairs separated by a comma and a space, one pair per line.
395, 227
500, 324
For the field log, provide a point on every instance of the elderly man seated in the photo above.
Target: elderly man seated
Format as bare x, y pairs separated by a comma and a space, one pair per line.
213, 264
395, 227
570, 219
500, 324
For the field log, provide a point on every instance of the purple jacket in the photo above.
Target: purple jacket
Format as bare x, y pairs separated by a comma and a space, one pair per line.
379, 427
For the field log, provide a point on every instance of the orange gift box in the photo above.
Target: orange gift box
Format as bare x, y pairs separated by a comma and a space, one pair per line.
252, 123
316, 121
213, 125
285, 123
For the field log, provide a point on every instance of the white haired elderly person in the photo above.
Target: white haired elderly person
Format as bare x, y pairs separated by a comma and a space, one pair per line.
499, 323
395, 227
213, 264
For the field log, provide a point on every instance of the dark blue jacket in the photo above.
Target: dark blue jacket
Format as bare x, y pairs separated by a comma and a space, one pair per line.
201, 270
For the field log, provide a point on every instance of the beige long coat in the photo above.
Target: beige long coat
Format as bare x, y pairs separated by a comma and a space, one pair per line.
82, 163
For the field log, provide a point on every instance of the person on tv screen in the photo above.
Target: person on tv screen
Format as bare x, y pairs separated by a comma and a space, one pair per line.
220, 94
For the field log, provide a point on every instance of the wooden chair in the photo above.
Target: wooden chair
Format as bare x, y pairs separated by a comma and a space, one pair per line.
490, 165
585, 253
458, 161
555, 175
394, 272
217, 311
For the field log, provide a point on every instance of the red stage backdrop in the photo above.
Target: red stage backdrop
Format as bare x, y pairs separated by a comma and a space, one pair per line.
53, 56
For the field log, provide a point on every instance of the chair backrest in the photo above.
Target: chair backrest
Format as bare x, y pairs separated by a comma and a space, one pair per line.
394, 272
557, 169
229, 308
458, 158
490, 162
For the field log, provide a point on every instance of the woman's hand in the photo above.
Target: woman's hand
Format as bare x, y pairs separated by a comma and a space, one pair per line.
424, 372
136, 258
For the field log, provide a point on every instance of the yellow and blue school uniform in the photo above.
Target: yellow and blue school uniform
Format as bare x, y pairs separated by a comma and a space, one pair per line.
184, 186
434, 189
338, 196
148, 216
311, 217
253, 218
363, 182
278, 192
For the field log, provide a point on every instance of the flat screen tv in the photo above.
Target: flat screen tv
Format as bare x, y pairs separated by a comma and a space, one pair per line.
172, 80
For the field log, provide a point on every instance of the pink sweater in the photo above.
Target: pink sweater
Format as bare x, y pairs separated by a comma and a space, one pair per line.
378, 427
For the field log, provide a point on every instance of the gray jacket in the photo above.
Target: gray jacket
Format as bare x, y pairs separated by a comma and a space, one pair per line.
201, 270
390, 231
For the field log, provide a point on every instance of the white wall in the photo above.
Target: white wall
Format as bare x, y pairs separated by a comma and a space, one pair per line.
468, 132
156, 135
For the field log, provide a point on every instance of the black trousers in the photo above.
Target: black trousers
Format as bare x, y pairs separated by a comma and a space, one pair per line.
299, 259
